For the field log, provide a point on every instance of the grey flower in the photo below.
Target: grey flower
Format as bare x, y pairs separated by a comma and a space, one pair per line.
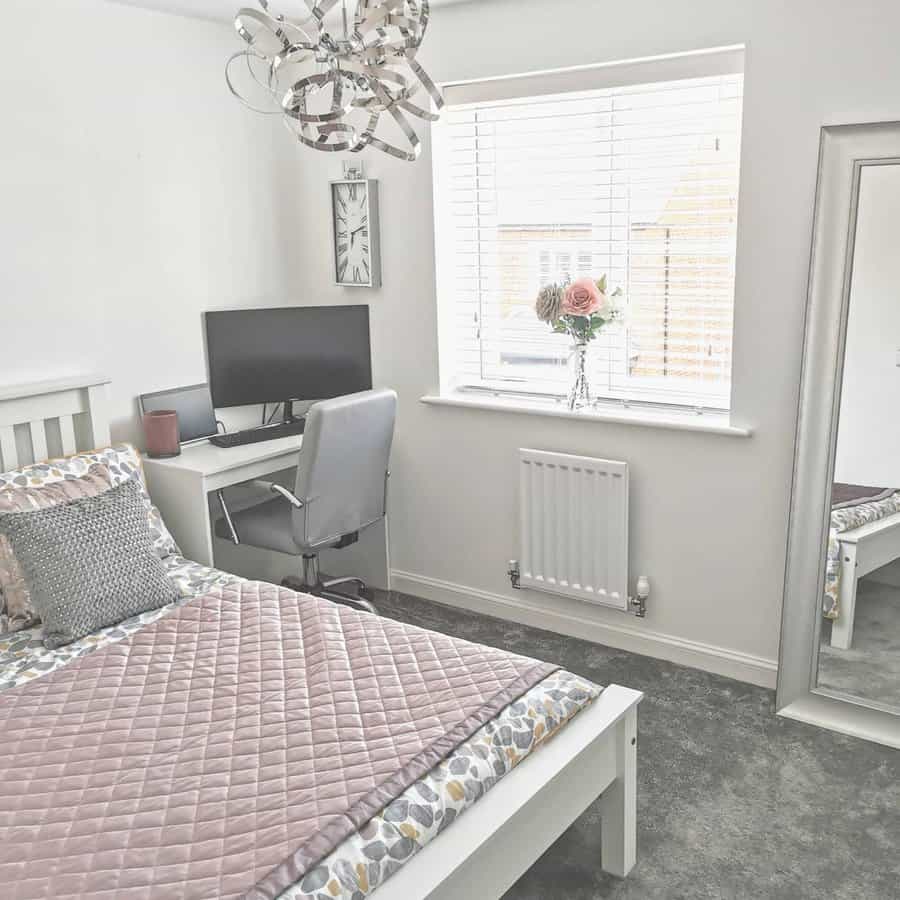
549, 303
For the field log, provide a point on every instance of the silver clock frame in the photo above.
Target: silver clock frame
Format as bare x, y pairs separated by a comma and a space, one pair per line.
371, 185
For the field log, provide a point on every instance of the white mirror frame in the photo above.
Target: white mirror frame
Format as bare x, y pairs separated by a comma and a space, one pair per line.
845, 150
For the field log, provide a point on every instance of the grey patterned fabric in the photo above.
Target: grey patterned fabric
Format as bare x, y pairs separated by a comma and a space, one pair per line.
846, 518
89, 563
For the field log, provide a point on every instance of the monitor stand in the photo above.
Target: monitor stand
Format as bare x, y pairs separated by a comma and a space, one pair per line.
287, 415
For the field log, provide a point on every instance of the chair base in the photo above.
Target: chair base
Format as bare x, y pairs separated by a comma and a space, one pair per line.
310, 582
324, 590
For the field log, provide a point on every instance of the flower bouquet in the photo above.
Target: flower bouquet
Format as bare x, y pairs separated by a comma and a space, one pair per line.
579, 309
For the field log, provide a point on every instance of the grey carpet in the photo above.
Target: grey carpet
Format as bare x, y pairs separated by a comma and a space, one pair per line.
733, 801
870, 669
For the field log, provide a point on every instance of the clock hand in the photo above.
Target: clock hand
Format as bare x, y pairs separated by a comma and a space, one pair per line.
355, 232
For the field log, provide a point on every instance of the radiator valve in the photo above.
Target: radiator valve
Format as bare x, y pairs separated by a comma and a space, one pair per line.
513, 572
638, 603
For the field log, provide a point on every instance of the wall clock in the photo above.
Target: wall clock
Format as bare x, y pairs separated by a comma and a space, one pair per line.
354, 209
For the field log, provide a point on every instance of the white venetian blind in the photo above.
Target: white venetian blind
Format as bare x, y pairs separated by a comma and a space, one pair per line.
635, 179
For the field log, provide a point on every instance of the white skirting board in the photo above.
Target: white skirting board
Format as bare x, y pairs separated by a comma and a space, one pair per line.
756, 670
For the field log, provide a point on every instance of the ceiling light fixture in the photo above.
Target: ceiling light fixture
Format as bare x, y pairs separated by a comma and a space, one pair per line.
339, 92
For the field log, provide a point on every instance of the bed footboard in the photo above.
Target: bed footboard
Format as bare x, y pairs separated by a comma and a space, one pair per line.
508, 829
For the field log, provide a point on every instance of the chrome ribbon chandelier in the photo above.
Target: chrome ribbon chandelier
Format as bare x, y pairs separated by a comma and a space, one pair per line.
341, 86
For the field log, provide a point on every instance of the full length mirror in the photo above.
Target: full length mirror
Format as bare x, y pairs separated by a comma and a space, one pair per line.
860, 635
839, 663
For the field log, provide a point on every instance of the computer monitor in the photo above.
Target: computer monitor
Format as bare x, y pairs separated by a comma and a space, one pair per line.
286, 354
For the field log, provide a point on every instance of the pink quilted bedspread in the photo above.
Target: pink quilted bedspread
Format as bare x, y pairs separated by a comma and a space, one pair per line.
225, 749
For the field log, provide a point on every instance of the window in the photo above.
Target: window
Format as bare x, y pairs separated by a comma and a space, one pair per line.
629, 171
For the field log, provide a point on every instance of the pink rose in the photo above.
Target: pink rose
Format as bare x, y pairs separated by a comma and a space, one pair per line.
582, 298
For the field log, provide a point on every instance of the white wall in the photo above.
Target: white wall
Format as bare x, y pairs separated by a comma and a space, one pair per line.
709, 513
868, 446
134, 193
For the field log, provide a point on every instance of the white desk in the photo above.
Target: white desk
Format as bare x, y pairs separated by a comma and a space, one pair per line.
181, 486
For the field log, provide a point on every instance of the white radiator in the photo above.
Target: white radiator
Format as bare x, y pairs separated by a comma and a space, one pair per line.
574, 526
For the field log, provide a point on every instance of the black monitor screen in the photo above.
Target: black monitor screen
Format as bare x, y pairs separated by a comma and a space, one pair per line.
292, 353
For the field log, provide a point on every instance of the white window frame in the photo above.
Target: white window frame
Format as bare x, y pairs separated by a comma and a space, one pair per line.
641, 391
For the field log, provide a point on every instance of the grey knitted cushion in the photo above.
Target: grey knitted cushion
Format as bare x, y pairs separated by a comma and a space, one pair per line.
89, 563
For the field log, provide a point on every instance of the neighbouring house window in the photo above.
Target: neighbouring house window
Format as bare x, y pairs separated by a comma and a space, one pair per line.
629, 171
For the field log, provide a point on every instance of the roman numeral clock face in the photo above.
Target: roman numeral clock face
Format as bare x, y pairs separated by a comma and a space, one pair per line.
353, 253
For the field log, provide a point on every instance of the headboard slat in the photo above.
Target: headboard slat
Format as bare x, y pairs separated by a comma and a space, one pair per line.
38, 440
8, 448
67, 433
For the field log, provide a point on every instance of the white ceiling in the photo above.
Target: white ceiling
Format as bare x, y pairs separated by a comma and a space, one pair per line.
219, 10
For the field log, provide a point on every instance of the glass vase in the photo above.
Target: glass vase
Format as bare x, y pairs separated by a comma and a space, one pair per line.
580, 392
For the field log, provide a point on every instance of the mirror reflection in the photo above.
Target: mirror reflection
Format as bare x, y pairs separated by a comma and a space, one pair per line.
860, 637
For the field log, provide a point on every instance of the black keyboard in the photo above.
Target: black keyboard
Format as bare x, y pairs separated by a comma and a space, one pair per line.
256, 435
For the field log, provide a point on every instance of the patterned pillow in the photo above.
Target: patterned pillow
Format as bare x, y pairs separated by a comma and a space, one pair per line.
18, 610
123, 463
90, 562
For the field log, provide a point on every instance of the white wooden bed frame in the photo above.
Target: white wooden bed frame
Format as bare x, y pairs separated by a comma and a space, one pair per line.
595, 755
863, 550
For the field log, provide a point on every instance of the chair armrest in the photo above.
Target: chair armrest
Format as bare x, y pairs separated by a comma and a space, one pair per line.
296, 502
282, 491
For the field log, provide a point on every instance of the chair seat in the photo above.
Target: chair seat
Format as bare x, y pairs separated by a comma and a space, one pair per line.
267, 525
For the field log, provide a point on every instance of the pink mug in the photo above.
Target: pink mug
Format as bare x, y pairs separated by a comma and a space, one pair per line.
161, 434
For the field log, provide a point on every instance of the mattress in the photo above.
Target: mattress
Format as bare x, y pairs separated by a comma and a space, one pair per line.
412, 816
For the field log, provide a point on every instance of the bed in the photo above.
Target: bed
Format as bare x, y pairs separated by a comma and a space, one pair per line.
521, 768
864, 535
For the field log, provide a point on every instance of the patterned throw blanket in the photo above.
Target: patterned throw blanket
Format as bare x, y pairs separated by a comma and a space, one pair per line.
852, 506
230, 746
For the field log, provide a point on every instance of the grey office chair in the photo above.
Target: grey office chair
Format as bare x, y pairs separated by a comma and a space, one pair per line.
340, 489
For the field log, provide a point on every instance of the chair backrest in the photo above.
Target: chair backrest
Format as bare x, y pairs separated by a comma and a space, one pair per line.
343, 467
